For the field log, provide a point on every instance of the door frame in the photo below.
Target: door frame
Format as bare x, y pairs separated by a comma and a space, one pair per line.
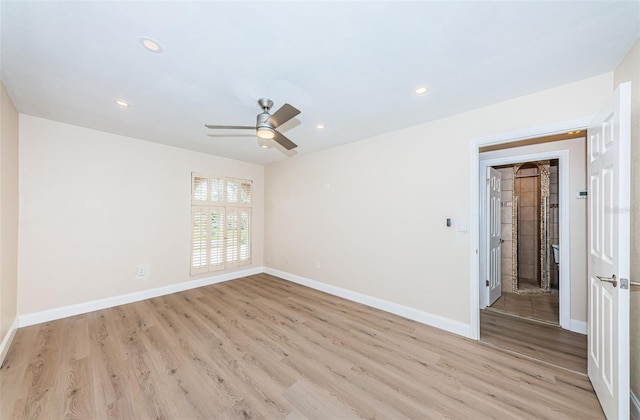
474, 199
564, 283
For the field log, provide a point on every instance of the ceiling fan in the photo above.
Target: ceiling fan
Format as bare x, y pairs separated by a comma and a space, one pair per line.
266, 123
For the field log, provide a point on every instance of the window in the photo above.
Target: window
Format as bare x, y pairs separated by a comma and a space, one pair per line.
220, 223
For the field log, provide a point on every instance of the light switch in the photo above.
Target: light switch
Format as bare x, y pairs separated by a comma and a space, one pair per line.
141, 271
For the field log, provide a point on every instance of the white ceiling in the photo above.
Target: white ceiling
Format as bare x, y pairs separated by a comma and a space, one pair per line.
351, 65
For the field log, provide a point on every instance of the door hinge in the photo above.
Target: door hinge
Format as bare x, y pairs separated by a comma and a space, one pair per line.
487, 283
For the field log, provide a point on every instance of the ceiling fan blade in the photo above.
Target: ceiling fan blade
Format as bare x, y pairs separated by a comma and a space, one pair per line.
284, 114
284, 141
230, 127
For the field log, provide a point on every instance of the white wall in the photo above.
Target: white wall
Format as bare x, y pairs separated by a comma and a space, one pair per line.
380, 228
577, 213
8, 216
93, 205
629, 70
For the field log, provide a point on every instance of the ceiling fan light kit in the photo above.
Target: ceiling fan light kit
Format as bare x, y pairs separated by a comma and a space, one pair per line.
266, 124
265, 133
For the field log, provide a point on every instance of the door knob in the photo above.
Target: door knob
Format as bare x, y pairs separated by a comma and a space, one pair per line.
611, 279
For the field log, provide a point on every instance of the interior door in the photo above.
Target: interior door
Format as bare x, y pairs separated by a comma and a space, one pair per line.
494, 234
609, 242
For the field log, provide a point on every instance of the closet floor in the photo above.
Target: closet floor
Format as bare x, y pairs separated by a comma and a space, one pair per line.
542, 307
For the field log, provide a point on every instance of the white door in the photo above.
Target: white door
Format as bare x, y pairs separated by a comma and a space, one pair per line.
494, 235
609, 242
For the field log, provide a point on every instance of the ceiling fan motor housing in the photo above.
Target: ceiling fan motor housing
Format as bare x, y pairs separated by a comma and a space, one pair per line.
263, 117
263, 120
264, 128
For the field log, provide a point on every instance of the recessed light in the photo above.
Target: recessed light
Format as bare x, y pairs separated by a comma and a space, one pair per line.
151, 45
421, 90
122, 103
264, 146
320, 126
573, 132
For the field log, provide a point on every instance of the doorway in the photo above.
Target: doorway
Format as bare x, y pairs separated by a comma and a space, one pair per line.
568, 208
534, 140
532, 312
530, 237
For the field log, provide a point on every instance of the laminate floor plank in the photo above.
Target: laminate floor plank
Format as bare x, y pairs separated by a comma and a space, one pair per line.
197, 347
264, 348
316, 403
548, 343
259, 384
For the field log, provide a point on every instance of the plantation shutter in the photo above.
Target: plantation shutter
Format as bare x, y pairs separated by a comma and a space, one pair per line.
245, 192
199, 239
216, 260
232, 191
220, 235
199, 189
233, 237
245, 237
217, 190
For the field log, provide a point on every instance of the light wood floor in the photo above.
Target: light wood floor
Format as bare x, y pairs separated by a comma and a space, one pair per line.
544, 307
261, 347
545, 342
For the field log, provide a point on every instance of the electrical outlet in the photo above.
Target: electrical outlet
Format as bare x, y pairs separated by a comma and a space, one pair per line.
317, 265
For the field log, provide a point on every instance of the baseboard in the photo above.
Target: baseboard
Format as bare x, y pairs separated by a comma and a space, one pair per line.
635, 407
8, 338
437, 321
578, 326
82, 308
427, 318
